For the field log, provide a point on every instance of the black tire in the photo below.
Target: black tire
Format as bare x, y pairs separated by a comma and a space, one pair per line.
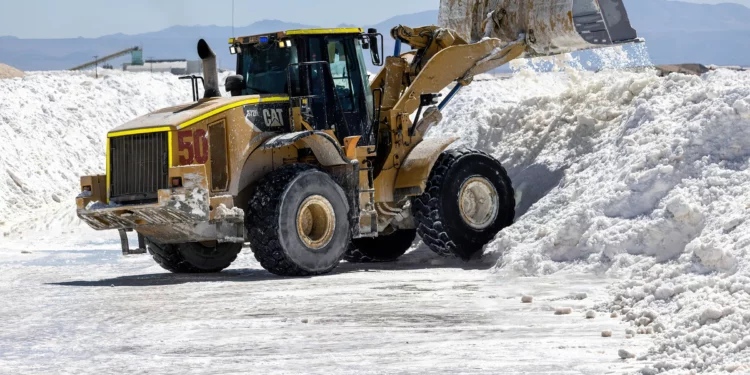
380, 249
193, 257
437, 212
271, 222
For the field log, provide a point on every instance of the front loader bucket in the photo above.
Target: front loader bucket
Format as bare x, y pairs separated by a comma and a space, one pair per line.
550, 27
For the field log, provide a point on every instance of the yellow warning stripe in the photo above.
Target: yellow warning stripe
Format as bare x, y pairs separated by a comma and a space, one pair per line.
271, 99
139, 131
107, 171
344, 30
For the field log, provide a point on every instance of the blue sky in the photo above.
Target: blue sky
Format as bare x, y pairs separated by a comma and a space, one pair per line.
91, 18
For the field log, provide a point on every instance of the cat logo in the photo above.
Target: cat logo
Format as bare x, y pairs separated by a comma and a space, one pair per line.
273, 117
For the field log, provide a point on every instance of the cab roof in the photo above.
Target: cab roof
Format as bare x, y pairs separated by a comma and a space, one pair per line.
252, 39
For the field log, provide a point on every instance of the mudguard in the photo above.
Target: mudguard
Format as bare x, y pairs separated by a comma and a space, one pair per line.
415, 170
326, 148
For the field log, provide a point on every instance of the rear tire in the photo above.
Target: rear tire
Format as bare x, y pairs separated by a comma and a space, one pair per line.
193, 257
381, 249
298, 222
469, 199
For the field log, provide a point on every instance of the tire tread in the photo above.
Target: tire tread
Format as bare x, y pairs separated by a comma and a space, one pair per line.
262, 221
427, 207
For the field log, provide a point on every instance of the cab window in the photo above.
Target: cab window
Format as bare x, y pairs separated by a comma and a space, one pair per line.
340, 63
264, 67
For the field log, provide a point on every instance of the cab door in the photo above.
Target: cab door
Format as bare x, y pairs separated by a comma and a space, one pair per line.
344, 55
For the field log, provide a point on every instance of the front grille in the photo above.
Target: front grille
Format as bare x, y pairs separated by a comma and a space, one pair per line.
138, 168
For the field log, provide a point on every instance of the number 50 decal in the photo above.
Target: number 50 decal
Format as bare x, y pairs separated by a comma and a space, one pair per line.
196, 145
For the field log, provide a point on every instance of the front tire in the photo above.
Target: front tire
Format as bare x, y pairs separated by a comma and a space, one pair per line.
469, 199
381, 249
193, 257
298, 222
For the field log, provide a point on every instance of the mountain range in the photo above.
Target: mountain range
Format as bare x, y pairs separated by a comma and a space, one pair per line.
675, 32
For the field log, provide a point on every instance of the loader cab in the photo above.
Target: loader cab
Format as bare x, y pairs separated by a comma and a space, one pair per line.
323, 71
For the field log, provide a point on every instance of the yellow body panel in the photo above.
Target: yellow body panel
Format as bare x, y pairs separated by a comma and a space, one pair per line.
227, 107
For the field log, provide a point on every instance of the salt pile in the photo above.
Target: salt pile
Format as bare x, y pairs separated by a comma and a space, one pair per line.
637, 176
54, 128
7, 71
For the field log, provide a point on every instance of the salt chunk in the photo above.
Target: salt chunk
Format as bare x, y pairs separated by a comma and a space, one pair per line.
666, 169
742, 107
650, 314
710, 313
624, 354
732, 367
664, 293
586, 120
563, 310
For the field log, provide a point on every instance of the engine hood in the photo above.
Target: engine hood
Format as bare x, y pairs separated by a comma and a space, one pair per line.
184, 115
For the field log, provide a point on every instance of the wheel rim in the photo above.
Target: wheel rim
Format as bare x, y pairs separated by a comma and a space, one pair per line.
478, 202
316, 222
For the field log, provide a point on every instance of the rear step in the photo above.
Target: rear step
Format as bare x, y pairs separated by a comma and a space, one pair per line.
126, 244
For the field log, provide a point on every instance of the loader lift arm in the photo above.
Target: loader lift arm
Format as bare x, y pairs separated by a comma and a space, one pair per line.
477, 36
474, 37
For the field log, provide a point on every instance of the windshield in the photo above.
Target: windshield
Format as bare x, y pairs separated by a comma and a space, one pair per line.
264, 67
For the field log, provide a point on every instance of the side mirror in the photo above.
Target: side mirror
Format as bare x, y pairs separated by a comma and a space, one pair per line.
376, 47
235, 84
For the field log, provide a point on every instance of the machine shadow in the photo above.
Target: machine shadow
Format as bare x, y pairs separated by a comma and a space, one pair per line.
420, 258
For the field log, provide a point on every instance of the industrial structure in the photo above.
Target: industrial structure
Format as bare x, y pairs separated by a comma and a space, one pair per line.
174, 66
137, 64
136, 54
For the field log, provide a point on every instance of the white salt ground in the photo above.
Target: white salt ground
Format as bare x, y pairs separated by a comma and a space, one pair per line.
635, 176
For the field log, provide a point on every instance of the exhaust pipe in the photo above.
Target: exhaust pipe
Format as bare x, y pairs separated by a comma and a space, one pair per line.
210, 72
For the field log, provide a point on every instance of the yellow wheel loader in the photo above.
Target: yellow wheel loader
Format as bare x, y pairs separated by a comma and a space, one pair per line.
309, 160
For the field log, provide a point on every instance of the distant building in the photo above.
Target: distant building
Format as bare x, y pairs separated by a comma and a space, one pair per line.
177, 67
